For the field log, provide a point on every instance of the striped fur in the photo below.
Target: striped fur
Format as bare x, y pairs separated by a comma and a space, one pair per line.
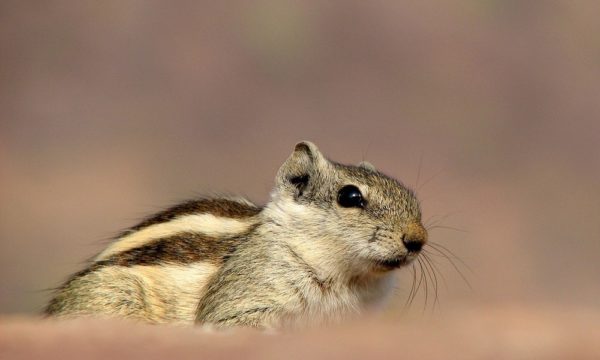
301, 260
156, 270
167, 293
206, 224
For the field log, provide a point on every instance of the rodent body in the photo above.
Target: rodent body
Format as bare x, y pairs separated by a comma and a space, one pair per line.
324, 248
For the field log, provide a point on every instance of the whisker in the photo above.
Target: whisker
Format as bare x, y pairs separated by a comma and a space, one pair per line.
418, 284
430, 178
433, 278
366, 151
412, 287
424, 274
429, 228
434, 264
439, 246
454, 265
439, 218
434, 254
419, 170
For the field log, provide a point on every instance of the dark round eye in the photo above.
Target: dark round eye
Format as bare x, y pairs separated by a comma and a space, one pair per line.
350, 196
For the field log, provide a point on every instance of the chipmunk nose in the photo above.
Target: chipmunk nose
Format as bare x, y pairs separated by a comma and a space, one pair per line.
414, 237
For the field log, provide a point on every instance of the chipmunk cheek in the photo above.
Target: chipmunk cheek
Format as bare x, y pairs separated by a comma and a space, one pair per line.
373, 237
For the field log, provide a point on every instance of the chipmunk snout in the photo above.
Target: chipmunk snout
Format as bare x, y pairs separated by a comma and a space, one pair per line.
414, 237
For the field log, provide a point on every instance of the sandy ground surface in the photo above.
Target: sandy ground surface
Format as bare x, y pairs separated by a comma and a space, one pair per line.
490, 333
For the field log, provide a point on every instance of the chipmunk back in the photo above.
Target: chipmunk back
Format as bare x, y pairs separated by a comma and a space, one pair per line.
323, 248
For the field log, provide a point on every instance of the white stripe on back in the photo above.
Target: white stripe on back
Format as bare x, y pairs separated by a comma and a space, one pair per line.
206, 224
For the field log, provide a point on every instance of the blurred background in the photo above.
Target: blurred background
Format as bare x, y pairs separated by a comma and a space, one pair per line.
112, 110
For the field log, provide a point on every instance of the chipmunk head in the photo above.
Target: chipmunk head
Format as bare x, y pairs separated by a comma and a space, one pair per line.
352, 215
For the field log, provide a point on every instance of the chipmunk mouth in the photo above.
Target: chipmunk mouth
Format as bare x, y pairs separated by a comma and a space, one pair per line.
392, 263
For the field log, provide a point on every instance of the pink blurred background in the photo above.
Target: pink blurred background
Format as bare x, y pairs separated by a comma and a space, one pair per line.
112, 110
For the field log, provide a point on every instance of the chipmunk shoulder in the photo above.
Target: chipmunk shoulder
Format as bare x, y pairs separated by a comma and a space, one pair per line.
325, 247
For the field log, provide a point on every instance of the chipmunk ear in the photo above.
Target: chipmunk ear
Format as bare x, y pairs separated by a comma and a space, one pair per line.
303, 164
367, 165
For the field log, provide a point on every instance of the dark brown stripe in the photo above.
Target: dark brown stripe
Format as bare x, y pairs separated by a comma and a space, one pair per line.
218, 207
182, 248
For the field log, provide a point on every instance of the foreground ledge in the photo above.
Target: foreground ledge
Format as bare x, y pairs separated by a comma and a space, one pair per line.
486, 332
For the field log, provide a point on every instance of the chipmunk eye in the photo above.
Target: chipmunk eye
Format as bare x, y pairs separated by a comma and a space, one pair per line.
350, 196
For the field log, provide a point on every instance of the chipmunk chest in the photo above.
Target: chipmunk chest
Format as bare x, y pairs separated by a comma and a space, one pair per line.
331, 302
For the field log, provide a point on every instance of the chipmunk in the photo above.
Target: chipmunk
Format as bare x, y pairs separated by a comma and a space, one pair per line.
323, 248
